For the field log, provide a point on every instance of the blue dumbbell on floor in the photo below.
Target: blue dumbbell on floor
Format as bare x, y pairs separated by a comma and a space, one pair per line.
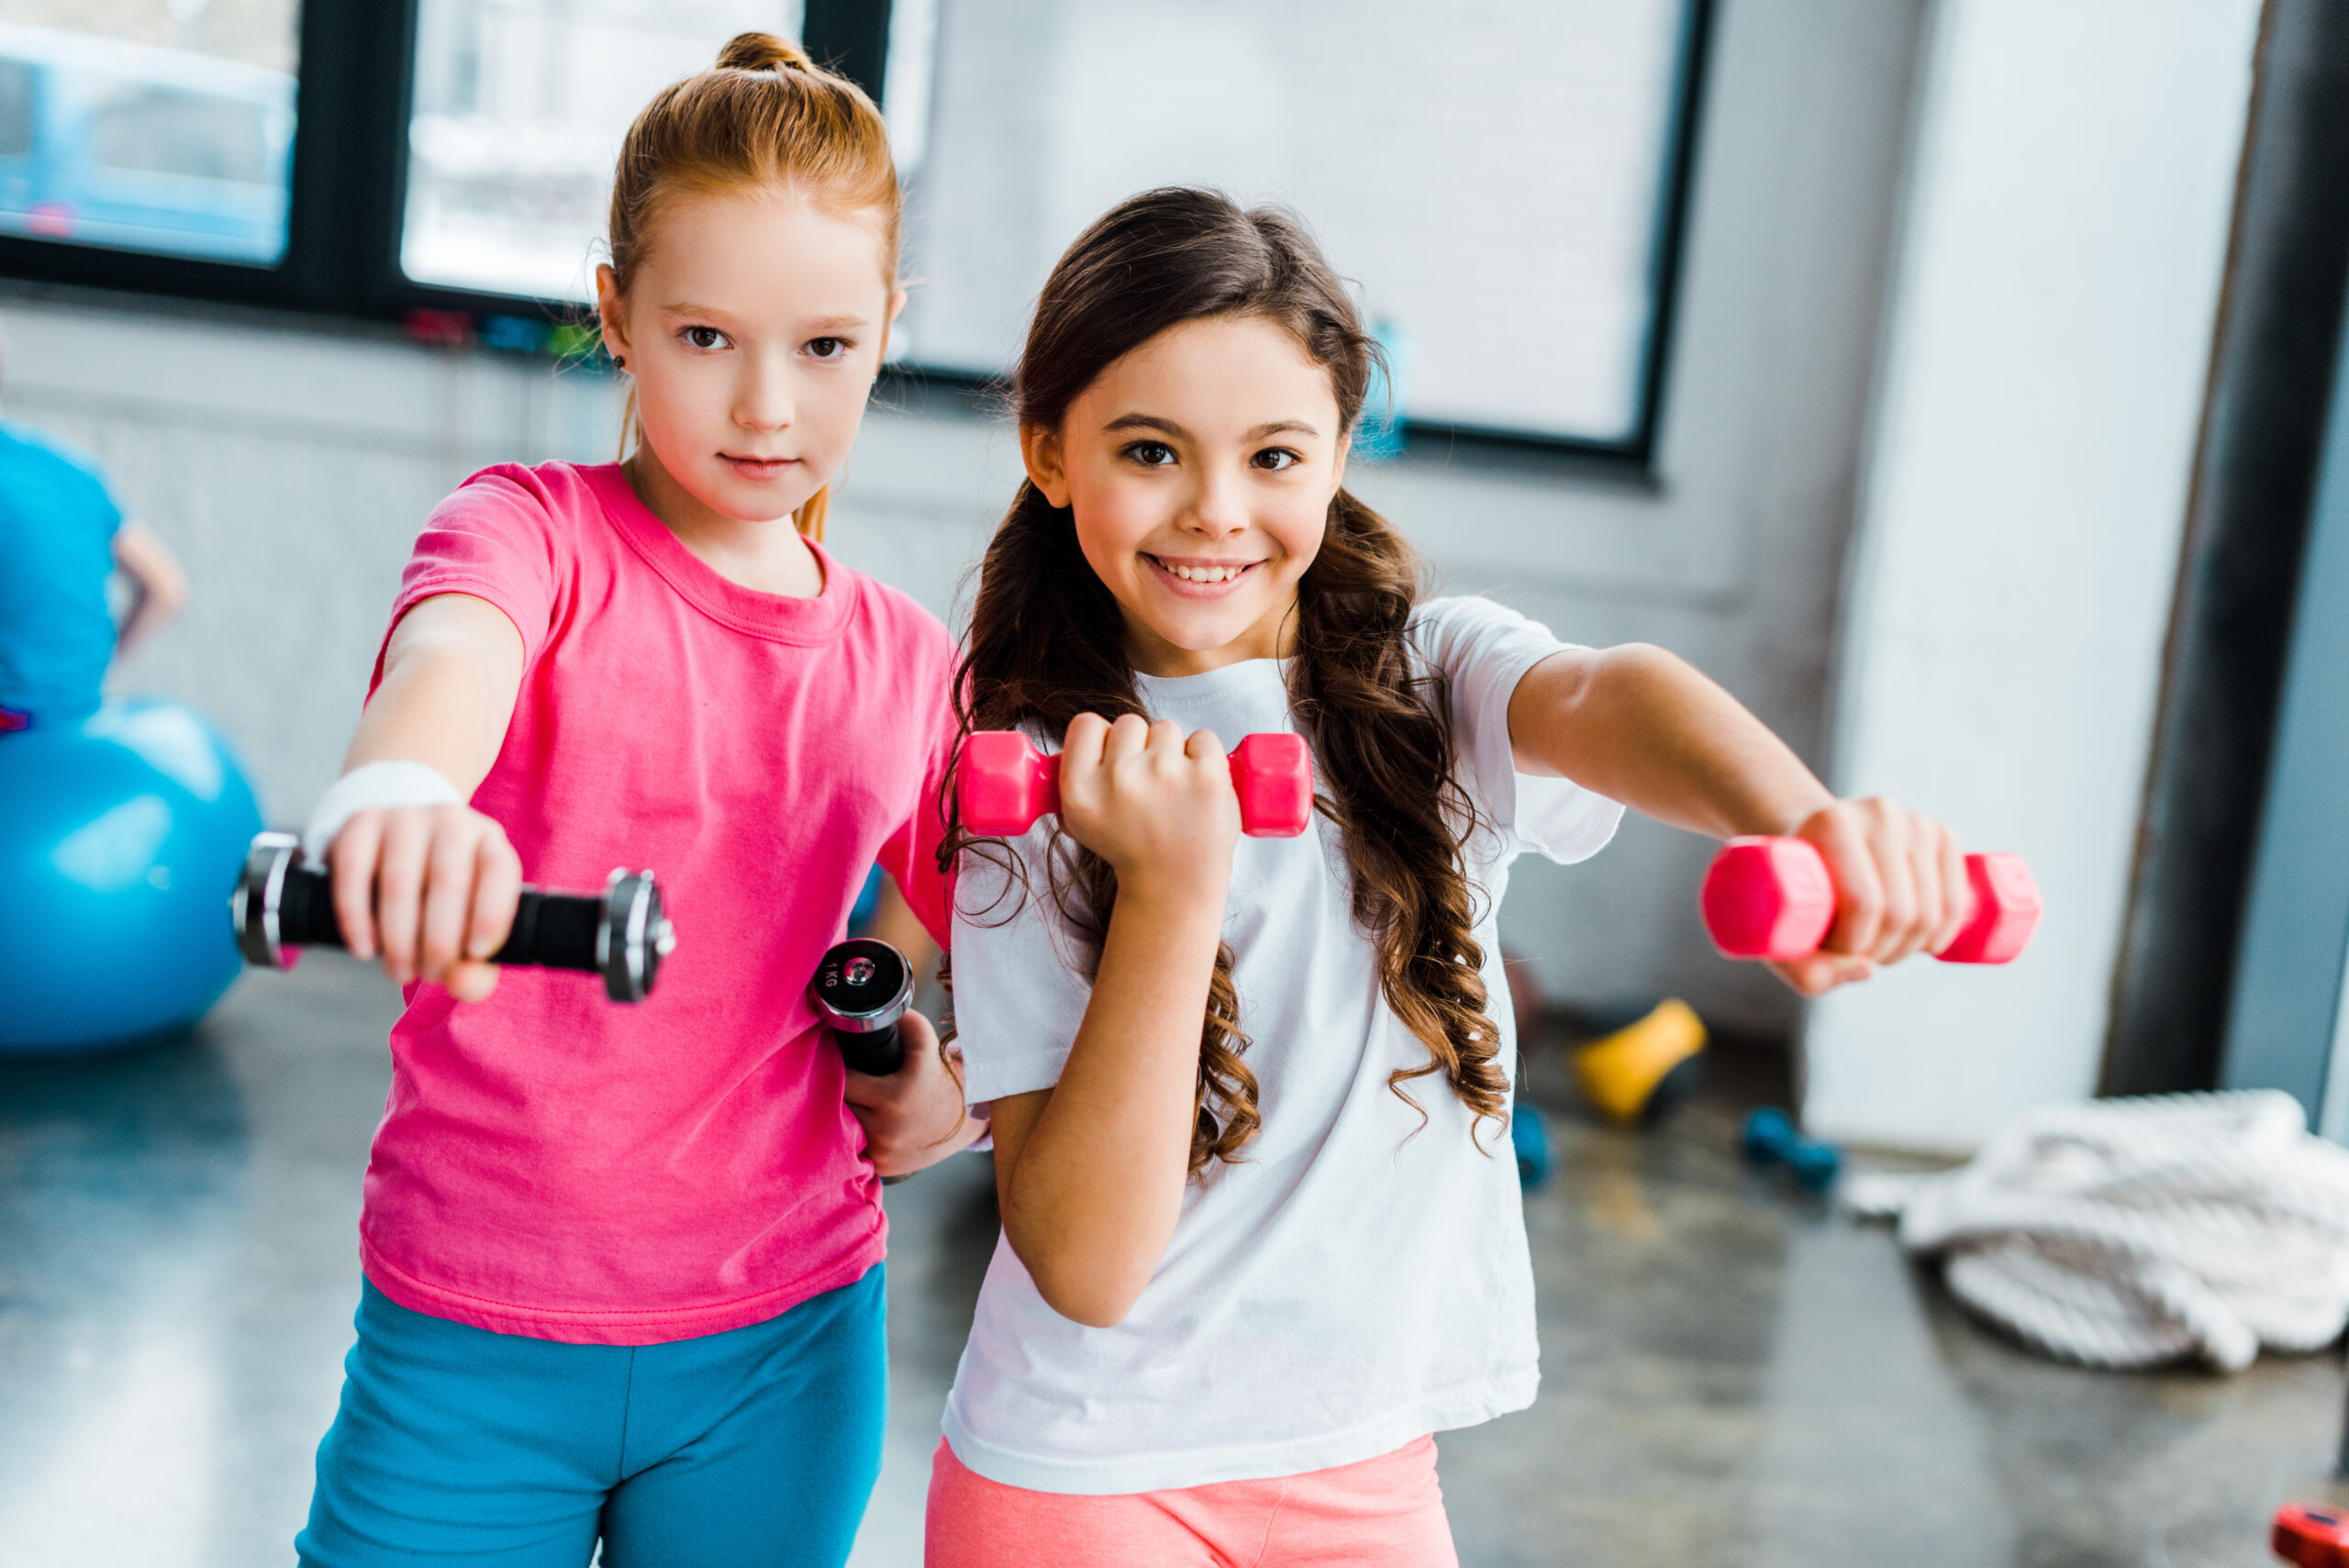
1771, 1140
1536, 1149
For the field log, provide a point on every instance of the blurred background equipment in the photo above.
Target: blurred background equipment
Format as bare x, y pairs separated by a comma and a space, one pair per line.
122, 836
2132, 1232
1532, 1142
116, 821
1639, 1073
1771, 1140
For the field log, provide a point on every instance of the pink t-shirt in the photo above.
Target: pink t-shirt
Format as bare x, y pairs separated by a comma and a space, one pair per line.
553, 1164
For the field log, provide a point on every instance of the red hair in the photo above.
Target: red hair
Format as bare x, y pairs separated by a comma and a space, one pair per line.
764, 115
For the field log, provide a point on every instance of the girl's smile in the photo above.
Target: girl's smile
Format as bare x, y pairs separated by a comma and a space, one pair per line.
1200, 467
1200, 579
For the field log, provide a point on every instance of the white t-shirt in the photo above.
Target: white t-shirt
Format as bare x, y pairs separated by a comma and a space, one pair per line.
1355, 1281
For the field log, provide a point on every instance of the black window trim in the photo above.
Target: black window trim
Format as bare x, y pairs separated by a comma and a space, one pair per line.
348, 197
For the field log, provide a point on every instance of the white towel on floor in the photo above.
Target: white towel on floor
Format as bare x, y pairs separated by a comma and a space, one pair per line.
2129, 1232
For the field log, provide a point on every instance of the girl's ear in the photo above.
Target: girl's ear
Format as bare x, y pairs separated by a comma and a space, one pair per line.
896, 308
611, 311
1040, 448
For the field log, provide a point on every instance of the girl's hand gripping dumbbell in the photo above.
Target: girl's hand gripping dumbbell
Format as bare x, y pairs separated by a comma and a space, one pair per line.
622, 933
1772, 898
862, 988
1007, 784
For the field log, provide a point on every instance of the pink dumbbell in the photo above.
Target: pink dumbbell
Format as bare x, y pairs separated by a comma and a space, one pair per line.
1008, 784
1772, 898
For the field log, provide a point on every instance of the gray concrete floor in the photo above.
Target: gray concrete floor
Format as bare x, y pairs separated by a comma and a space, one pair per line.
1732, 1374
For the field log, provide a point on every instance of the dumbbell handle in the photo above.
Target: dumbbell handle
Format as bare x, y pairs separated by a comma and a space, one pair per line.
622, 934
1007, 784
551, 930
877, 1054
1772, 898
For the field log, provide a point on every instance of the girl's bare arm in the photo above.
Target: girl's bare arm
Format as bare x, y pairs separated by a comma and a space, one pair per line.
158, 586
1642, 726
434, 888
1090, 1172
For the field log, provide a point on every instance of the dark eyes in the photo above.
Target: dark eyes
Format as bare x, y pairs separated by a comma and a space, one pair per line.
1158, 455
709, 339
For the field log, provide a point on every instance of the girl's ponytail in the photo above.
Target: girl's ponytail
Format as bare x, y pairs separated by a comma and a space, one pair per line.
1381, 738
762, 52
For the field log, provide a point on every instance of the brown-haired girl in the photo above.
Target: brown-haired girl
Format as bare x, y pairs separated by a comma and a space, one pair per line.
1262, 1236
623, 1264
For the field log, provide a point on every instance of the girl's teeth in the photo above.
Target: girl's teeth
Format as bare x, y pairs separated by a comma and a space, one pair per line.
1206, 573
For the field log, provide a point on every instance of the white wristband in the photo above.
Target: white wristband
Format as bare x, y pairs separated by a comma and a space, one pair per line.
372, 786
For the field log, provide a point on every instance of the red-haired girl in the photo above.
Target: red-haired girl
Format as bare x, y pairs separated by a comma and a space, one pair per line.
623, 1264
1262, 1236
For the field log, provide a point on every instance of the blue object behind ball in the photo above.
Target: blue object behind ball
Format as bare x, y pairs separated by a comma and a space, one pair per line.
120, 837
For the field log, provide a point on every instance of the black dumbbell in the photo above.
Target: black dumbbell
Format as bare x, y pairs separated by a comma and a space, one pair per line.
281, 907
862, 988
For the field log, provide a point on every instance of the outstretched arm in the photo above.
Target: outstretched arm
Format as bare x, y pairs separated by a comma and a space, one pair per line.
1090, 1172
435, 888
1642, 726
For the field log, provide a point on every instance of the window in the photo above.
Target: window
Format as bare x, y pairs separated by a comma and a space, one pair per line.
15, 108
1503, 178
518, 113
1497, 177
169, 130
161, 125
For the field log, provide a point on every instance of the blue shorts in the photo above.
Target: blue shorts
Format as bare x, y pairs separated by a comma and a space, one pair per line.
453, 1444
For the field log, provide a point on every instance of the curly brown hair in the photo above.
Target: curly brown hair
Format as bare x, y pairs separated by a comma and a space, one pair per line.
1047, 643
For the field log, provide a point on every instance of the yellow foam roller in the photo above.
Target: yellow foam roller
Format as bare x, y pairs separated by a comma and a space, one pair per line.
1640, 1072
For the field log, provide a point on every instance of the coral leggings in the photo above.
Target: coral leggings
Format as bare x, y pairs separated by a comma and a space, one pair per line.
1379, 1513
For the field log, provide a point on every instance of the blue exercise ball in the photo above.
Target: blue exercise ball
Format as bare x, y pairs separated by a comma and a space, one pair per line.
120, 838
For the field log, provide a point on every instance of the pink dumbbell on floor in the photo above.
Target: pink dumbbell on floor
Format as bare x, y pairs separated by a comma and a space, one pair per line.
1008, 784
1772, 898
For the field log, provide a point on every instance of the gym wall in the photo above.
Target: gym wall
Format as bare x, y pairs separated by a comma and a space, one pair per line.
2047, 357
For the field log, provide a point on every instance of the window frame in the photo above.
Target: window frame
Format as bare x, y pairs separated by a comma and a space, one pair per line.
349, 187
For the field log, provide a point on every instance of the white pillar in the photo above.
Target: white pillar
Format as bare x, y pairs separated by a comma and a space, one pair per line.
2050, 333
